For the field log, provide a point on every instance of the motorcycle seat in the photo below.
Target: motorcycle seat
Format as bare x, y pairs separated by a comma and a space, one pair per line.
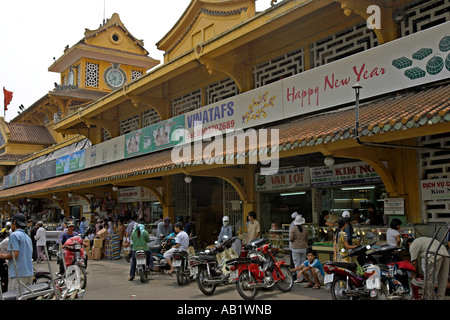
207, 257
346, 265
239, 261
38, 287
155, 248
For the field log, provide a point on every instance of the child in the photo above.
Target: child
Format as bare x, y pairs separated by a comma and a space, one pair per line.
312, 270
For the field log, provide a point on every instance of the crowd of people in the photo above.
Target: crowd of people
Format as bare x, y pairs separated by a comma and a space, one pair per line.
23, 241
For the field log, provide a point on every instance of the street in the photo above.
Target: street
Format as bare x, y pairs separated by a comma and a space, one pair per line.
108, 280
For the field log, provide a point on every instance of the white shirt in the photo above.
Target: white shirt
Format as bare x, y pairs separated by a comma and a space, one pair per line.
183, 239
391, 237
40, 237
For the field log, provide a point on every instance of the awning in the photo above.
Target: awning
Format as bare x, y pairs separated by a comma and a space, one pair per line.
403, 111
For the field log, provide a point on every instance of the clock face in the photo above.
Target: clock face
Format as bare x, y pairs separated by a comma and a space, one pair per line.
115, 78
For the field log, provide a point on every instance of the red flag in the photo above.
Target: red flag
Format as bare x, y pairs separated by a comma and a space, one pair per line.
8, 97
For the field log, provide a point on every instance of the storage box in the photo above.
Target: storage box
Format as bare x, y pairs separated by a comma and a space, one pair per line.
96, 253
98, 243
87, 244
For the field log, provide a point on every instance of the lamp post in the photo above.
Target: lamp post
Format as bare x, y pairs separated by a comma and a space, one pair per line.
357, 87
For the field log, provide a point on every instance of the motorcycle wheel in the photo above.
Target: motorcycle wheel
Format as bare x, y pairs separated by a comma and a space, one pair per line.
42, 278
241, 285
182, 279
286, 284
338, 289
83, 278
205, 288
141, 275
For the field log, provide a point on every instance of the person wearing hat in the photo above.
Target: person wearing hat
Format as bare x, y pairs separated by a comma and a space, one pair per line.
349, 228
298, 236
20, 245
163, 230
69, 233
293, 216
226, 230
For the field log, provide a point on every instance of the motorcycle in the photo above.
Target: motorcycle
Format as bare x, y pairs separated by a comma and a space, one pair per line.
347, 278
182, 266
209, 269
260, 270
157, 251
391, 281
142, 270
74, 262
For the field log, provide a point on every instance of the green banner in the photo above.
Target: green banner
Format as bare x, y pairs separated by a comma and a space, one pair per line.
138, 142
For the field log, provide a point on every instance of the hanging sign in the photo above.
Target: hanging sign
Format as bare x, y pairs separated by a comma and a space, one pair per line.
283, 180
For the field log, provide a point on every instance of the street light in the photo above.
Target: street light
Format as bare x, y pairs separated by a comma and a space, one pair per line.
188, 179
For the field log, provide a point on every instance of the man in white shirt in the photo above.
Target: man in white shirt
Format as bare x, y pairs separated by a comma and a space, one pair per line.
181, 243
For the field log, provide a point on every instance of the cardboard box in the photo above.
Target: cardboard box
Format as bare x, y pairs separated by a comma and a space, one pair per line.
96, 253
87, 244
98, 243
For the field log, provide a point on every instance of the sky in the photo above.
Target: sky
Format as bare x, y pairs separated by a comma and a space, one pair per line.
34, 31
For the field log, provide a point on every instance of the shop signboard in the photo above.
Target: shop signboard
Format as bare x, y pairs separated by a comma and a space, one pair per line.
435, 189
394, 206
77, 160
63, 165
249, 109
105, 152
131, 194
138, 142
284, 180
406, 62
344, 174
167, 133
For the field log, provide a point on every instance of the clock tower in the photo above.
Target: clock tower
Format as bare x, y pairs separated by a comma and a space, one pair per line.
104, 60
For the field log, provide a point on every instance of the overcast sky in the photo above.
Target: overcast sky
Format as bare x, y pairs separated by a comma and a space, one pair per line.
35, 31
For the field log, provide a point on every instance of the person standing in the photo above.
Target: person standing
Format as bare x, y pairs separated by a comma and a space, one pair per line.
393, 236
298, 236
41, 241
121, 232
130, 228
82, 227
341, 242
21, 247
253, 228
34, 228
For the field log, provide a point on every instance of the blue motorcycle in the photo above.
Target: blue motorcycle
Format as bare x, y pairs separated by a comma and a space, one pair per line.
159, 263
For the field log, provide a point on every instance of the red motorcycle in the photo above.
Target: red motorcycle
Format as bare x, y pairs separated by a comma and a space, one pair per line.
259, 270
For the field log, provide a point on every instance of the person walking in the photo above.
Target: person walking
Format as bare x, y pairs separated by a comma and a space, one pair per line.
41, 241
20, 249
82, 227
298, 236
130, 228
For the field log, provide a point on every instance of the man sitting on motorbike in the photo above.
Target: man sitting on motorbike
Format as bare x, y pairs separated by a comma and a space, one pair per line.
66, 235
181, 243
140, 238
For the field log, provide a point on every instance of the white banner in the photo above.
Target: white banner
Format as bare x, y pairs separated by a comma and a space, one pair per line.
344, 174
435, 189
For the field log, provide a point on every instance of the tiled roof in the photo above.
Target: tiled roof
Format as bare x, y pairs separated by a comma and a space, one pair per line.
409, 110
28, 133
79, 94
12, 157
